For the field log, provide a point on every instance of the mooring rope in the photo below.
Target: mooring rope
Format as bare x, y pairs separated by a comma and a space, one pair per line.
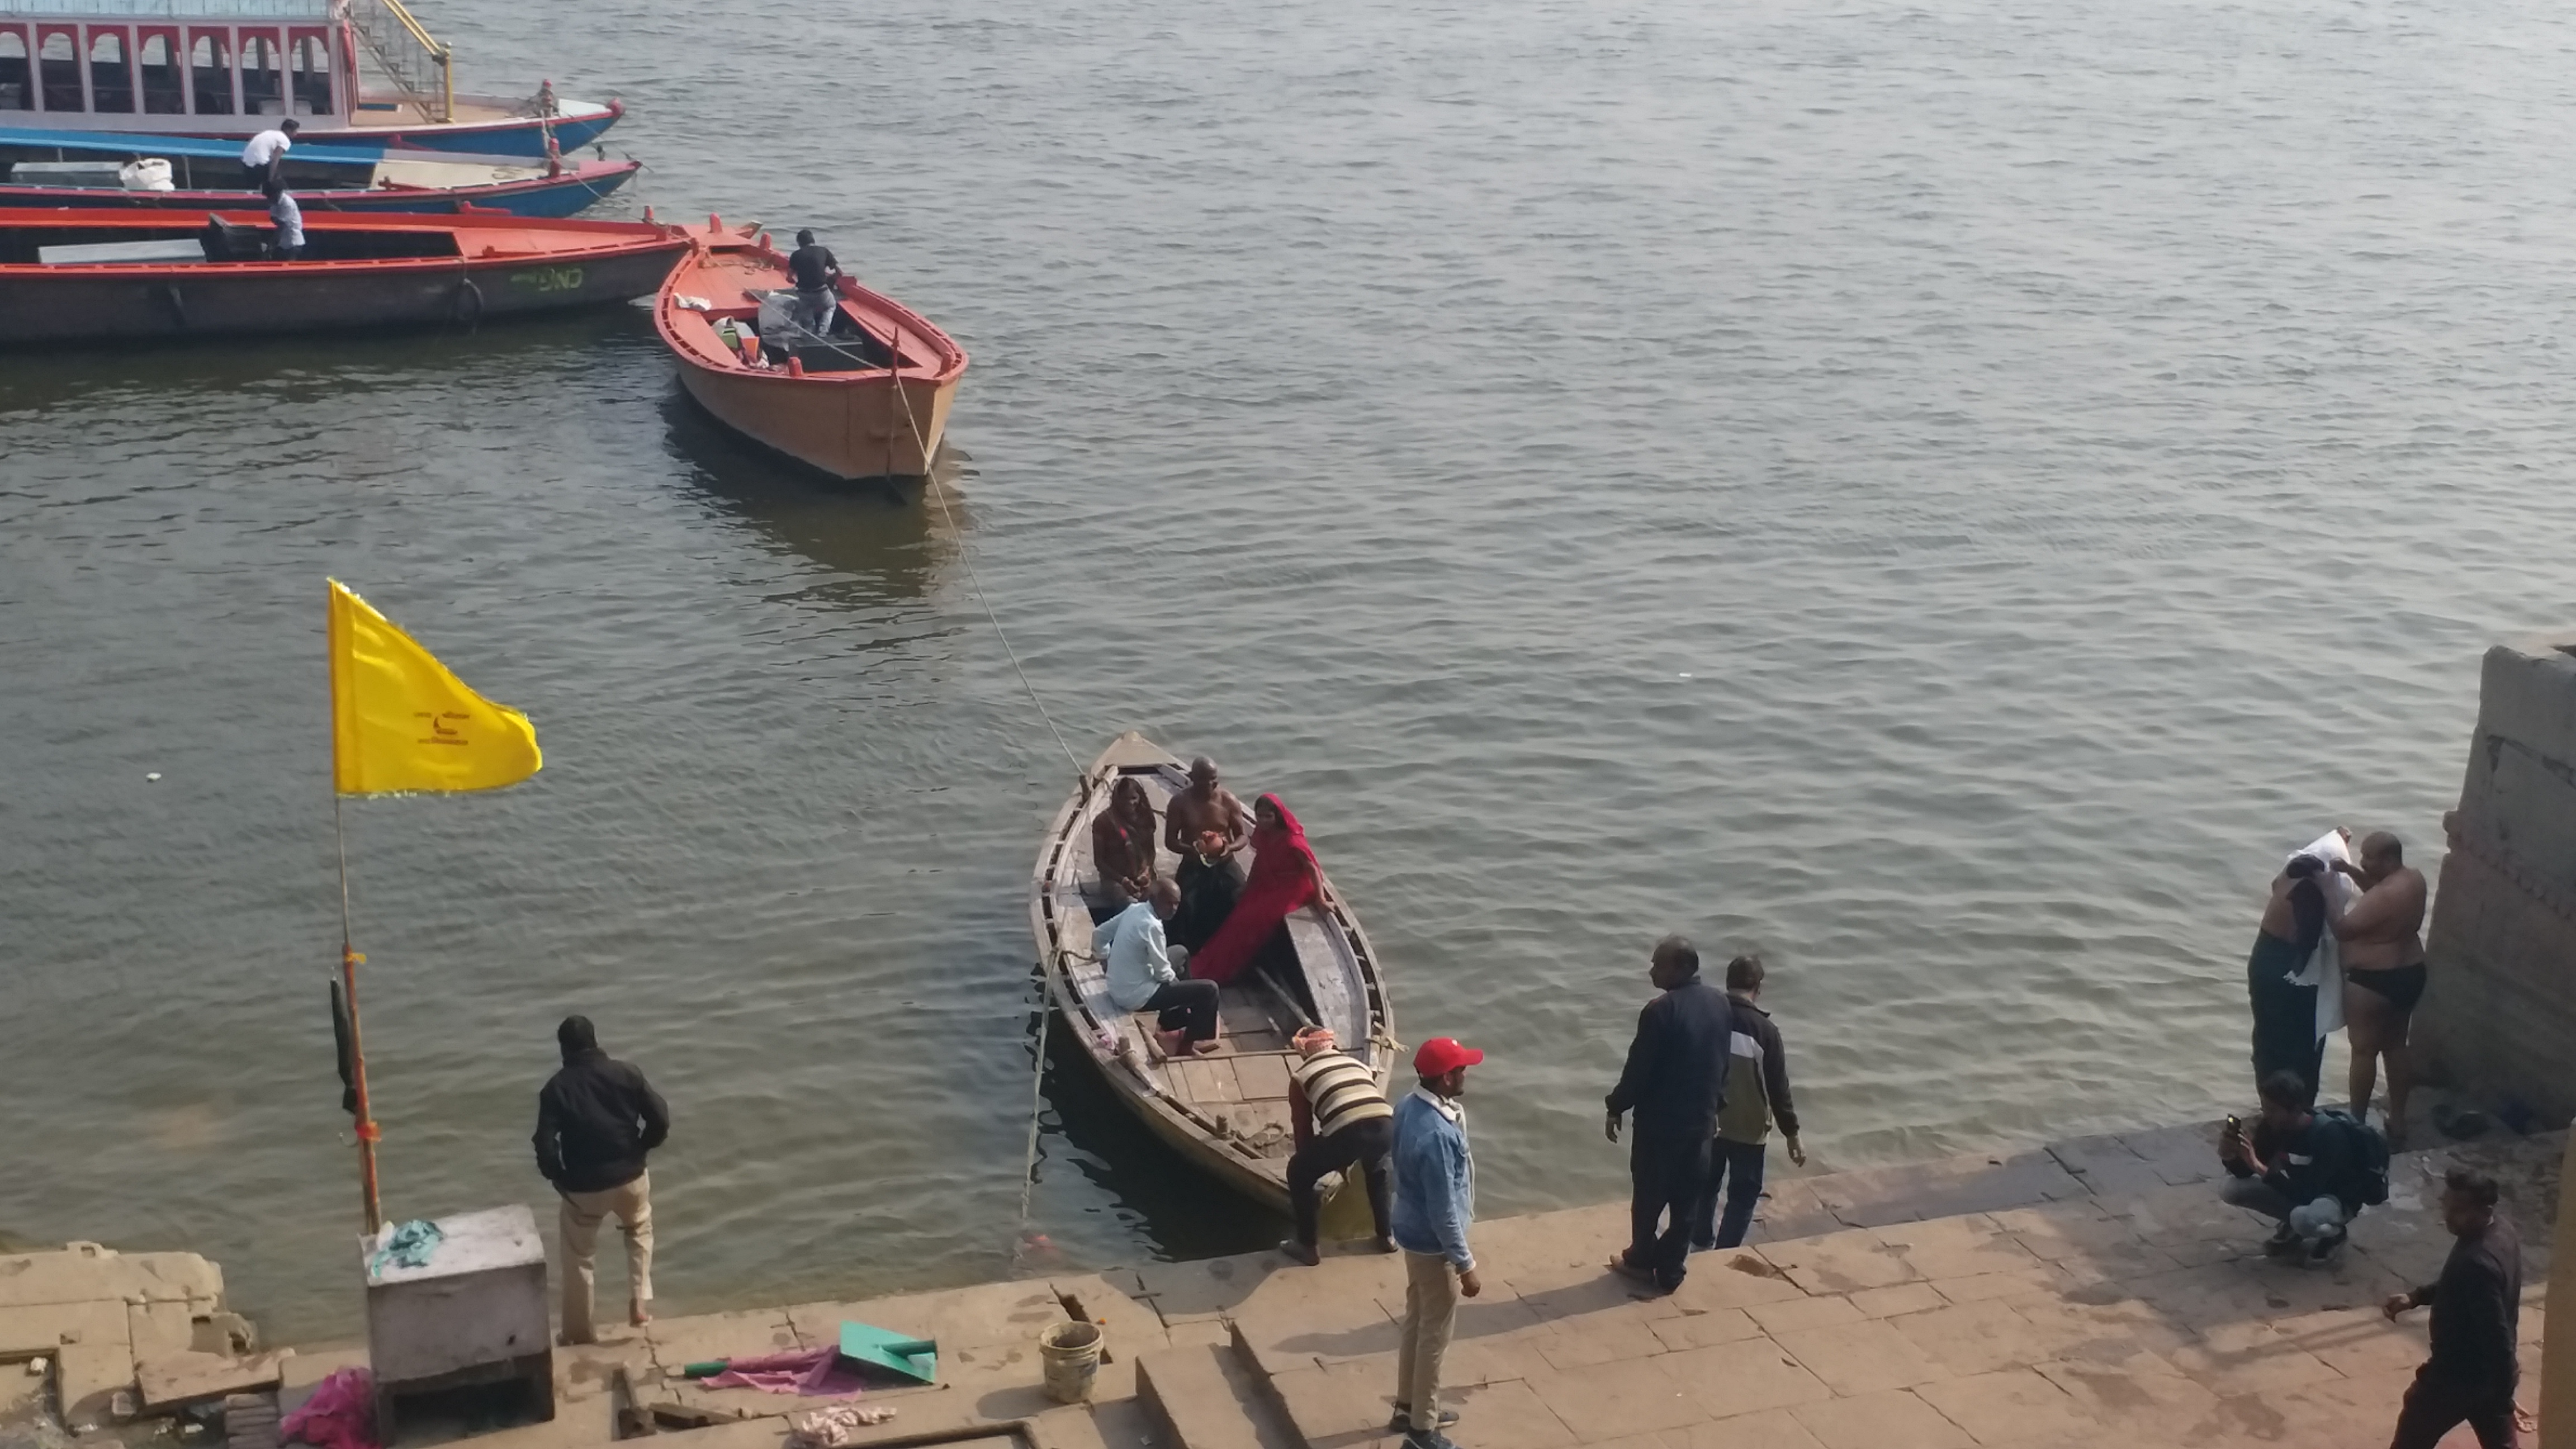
1037, 1044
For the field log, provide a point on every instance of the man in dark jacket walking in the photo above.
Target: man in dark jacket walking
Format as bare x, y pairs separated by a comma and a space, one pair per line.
2477, 1308
1675, 1081
596, 1119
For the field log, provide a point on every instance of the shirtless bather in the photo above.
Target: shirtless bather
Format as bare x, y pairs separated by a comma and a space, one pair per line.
2383, 971
1203, 825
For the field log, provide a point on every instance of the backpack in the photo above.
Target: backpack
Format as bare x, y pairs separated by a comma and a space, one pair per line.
2369, 1157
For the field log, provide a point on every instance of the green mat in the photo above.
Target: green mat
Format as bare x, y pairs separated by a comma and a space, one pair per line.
916, 1359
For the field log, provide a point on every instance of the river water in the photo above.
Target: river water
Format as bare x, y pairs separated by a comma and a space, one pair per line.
1944, 496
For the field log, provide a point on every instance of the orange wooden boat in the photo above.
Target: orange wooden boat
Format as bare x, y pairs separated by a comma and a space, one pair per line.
867, 397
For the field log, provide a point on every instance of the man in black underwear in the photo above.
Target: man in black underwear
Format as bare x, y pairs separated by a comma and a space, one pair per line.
1205, 825
2383, 971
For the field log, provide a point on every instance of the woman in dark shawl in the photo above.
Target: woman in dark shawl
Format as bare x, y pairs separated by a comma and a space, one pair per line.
1284, 876
1122, 845
2285, 1011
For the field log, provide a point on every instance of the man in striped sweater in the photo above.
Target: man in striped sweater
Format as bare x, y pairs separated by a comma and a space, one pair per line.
1342, 1121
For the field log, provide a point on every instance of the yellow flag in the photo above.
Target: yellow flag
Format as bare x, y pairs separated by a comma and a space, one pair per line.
400, 721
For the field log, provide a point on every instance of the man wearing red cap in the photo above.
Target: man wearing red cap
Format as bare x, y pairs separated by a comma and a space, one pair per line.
1435, 1199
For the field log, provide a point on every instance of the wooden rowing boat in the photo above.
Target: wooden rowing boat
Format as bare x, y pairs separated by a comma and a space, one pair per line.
96, 275
867, 399
1228, 1112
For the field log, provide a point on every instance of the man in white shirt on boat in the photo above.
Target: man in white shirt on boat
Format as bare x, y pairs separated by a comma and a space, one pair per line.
262, 159
289, 221
1141, 977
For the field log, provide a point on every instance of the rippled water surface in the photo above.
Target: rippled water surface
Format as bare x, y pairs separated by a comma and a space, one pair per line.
1945, 496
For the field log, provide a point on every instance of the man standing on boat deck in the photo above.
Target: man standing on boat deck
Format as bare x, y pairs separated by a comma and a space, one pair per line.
1204, 825
1343, 1124
1435, 1199
815, 274
263, 161
1675, 1082
288, 218
596, 1120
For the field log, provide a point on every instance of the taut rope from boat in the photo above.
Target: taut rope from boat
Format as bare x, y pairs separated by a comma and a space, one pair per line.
1037, 1043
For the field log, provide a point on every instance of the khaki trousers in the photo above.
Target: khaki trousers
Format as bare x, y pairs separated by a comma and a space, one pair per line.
1430, 1311
582, 1213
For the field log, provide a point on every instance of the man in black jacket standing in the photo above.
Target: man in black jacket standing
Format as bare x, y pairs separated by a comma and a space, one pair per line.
596, 1119
1675, 1081
2477, 1308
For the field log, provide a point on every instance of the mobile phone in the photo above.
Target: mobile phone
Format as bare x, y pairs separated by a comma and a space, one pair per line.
2235, 1124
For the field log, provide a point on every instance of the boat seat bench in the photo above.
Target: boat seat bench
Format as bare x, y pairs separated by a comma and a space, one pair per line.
92, 253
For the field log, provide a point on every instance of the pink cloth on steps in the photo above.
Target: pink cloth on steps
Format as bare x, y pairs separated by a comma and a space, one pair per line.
815, 1373
341, 1414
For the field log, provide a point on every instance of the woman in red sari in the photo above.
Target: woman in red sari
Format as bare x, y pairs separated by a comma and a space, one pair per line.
1284, 876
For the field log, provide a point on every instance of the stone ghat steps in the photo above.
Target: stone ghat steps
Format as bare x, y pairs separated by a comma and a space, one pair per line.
2093, 1292
1211, 1396
2052, 1313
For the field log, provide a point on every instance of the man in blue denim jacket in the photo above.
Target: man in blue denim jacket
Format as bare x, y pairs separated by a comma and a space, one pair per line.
1435, 1199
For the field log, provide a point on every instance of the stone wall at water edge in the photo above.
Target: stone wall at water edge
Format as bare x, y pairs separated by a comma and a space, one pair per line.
2499, 1013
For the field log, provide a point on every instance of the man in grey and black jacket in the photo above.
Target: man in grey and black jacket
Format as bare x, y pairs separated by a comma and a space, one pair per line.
1757, 1094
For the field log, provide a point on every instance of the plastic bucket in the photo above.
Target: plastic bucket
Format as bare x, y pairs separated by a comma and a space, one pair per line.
1071, 1353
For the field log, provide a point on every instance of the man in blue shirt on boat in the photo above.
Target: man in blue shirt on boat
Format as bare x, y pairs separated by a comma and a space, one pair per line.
1141, 977
1435, 1199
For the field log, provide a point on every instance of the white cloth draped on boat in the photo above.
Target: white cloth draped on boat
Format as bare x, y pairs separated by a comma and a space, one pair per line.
2324, 967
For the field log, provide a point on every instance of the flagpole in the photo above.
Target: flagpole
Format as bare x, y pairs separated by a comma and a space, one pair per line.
349, 959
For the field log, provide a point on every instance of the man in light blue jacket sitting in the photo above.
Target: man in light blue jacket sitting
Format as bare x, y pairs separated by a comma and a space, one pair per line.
1435, 1199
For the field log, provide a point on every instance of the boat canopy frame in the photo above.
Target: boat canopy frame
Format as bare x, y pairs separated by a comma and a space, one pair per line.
177, 57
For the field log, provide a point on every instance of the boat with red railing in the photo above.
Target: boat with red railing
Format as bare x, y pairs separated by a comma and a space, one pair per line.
96, 275
864, 395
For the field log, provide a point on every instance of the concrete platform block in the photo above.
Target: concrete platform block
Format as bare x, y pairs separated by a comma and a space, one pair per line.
2011, 1406
1182, 1292
1345, 1406
301, 1372
41, 1328
1084, 1426
1202, 1399
1971, 1184
1295, 1336
1510, 1415
164, 1276
87, 1379
700, 1338
986, 1314
167, 1381
2527, 692
160, 1329
1875, 1421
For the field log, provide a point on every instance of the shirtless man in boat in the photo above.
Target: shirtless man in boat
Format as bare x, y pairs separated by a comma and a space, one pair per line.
1204, 825
2383, 971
